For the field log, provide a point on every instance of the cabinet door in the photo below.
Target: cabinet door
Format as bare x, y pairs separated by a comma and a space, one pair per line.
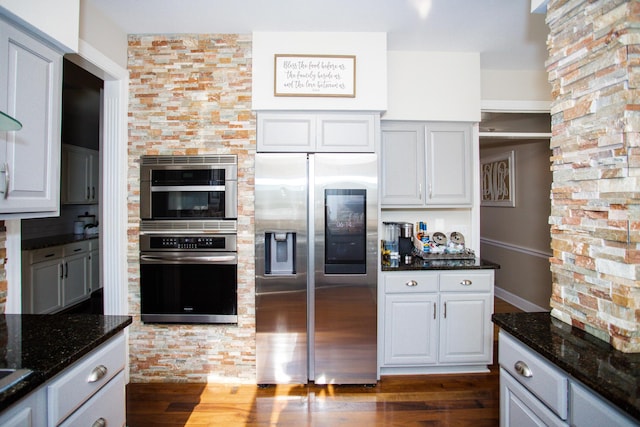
31, 76
465, 328
449, 167
346, 133
75, 280
45, 292
75, 172
284, 132
402, 158
410, 329
94, 176
30, 411
94, 269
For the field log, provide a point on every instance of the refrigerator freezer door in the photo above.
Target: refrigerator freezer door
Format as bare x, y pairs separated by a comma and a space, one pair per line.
281, 294
344, 304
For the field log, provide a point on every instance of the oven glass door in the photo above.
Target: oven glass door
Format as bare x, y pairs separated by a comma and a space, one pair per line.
181, 202
187, 292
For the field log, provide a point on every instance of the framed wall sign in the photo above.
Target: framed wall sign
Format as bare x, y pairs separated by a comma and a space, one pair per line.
497, 180
315, 75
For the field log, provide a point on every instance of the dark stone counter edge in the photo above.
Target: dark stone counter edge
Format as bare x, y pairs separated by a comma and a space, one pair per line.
37, 378
444, 264
47, 242
519, 325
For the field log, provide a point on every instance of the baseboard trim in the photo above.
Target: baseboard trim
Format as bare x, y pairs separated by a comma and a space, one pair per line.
517, 301
517, 248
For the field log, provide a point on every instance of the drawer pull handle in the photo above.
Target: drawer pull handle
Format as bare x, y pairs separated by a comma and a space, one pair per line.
100, 422
523, 369
97, 373
466, 282
411, 283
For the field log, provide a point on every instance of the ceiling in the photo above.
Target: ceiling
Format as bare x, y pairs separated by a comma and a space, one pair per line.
504, 32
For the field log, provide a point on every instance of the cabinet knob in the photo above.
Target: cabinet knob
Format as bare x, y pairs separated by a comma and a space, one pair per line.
411, 283
523, 369
100, 422
97, 373
466, 282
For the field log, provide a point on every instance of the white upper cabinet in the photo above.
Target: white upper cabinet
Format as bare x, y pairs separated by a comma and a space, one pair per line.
30, 91
309, 132
402, 175
426, 164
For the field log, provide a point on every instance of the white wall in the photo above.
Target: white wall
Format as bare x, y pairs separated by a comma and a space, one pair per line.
434, 86
57, 21
522, 90
103, 34
370, 50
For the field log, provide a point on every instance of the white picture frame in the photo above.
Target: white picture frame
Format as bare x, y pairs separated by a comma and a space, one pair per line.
497, 180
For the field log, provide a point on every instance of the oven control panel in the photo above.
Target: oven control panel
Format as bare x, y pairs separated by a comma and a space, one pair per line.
187, 242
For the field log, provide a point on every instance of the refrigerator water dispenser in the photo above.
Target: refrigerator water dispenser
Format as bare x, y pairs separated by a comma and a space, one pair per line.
279, 254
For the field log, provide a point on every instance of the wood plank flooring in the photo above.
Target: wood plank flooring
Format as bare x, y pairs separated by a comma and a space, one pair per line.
420, 400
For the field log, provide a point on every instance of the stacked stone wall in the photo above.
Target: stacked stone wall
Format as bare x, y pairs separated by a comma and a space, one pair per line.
594, 69
191, 94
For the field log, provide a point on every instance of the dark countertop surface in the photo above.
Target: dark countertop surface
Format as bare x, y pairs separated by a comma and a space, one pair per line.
611, 373
443, 264
49, 343
62, 239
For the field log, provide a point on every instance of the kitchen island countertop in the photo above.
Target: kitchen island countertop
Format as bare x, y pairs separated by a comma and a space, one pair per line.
611, 373
443, 264
47, 344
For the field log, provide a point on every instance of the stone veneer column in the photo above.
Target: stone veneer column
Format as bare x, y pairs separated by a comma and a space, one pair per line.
191, 94
594, 69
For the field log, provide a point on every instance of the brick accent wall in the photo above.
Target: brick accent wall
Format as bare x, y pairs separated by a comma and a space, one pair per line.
594, 69
191, 94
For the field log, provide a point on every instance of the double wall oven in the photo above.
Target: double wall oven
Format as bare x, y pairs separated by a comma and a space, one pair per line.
188, 232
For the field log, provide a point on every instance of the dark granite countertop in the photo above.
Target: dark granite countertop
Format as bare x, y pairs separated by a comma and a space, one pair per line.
611, 373
49, 343
443, 264
47, 242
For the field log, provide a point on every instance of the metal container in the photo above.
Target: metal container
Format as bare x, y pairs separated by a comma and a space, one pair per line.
406, 229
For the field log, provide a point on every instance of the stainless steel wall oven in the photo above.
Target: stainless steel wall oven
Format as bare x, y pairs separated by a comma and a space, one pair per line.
188, 187
188, 236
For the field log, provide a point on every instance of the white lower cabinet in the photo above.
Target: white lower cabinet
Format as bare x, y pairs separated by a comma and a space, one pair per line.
98, 375
535, 392
28, 412
437, 321
91, 392
56, 277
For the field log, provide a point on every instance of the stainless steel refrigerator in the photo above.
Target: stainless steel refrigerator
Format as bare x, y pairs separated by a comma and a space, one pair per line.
316, 268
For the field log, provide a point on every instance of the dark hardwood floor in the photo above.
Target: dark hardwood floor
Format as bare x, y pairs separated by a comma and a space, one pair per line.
420, 400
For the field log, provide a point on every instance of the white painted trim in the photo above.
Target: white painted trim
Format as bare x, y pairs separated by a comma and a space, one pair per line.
516, 248
517, 301
496, 105
516, 135
113, 204
13, 268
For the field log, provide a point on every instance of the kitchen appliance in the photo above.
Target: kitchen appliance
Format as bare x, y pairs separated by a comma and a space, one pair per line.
188, 187
316, 268
390, 242
188, 272
405, 240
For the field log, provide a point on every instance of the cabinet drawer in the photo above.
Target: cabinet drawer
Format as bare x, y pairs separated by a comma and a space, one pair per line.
410, 283
107, 405
588, 409
44, 254
518, 407
466, 282
536, 374
76, 247
68, 392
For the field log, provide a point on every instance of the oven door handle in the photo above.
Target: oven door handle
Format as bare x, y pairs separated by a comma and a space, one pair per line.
183, 188
194, 259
